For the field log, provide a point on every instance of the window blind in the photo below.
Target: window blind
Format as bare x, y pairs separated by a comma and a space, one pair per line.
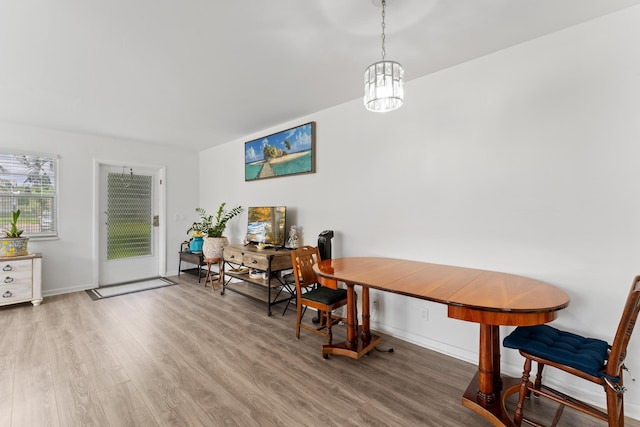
29, 182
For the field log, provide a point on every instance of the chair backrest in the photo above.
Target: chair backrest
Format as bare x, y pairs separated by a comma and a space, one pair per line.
303, 259
625, 329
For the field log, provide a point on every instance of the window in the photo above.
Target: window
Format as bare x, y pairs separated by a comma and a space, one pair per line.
29, 182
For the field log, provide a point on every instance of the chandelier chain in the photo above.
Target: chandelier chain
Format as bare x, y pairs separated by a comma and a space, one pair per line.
383, 80
384, 4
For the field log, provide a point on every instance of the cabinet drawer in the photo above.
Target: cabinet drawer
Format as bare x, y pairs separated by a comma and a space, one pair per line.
254, 261
15, 266
232, 255
10, 294
15, 277
281, 261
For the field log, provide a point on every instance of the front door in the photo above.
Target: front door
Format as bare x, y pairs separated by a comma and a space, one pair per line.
128, 230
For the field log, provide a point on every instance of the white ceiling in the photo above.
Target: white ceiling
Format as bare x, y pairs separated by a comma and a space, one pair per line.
197, 73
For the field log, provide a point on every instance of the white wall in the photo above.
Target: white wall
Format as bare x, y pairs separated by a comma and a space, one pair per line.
522, 161
68, 262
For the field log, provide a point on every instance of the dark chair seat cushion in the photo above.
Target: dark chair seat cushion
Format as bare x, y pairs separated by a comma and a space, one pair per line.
588, 355
325, 295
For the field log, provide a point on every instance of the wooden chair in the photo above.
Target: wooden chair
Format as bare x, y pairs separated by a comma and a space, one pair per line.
324, 299
588, 358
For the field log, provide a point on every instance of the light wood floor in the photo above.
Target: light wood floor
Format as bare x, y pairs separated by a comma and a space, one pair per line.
186, 356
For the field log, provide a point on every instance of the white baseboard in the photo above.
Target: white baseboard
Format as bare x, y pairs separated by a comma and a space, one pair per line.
440, 347
67, 290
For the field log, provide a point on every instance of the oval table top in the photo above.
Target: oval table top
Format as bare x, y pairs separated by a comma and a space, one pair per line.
455, 286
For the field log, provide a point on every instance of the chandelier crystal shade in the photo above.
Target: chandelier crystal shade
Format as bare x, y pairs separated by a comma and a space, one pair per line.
384, 86
383, 81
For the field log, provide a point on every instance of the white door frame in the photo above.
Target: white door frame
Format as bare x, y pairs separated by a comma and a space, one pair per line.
97, 217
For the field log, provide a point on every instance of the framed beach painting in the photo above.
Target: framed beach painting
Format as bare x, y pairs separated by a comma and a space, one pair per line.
289, 152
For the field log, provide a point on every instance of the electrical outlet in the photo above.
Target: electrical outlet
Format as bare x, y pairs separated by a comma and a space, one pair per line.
425, 314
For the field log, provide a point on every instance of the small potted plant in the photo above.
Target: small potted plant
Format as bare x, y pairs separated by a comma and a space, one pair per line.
13, 244
215, 241
198, 230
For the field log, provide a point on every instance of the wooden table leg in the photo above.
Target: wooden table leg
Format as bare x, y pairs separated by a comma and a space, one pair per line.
352, 321
365, 334
356, 345
485, 366
484, 394
495, 350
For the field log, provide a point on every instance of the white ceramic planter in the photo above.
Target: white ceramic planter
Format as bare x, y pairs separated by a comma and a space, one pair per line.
212, 247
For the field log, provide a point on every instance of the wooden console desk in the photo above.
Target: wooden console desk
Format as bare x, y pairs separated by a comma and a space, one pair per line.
270, 261
485, 297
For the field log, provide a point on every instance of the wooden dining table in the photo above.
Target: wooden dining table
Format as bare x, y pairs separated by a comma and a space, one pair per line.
488, 298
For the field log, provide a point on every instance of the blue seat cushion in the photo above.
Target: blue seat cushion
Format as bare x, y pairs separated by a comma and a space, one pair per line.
588, 355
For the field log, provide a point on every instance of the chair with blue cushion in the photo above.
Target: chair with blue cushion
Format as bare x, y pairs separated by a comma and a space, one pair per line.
323, 299
588, 358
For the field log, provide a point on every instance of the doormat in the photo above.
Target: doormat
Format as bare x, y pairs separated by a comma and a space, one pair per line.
129, 288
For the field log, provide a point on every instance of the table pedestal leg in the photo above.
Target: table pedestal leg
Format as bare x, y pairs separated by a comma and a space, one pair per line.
365, 335
352, 318
484, 394
497, 376
358, 343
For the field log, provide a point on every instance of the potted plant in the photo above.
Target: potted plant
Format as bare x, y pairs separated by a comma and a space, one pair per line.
198, 230
215, 241
13, 244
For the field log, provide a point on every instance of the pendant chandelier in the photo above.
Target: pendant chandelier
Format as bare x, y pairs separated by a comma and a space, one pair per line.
383, 81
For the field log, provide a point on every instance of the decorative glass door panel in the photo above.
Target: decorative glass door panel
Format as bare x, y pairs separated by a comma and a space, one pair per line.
129, 215
127, 230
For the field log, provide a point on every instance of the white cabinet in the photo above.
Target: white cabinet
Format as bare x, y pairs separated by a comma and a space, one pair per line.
21, 279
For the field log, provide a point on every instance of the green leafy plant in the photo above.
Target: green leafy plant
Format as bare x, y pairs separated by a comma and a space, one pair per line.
13, 232
200, 228
210, 226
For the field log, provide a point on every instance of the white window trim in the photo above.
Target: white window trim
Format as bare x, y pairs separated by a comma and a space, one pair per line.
50, 235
